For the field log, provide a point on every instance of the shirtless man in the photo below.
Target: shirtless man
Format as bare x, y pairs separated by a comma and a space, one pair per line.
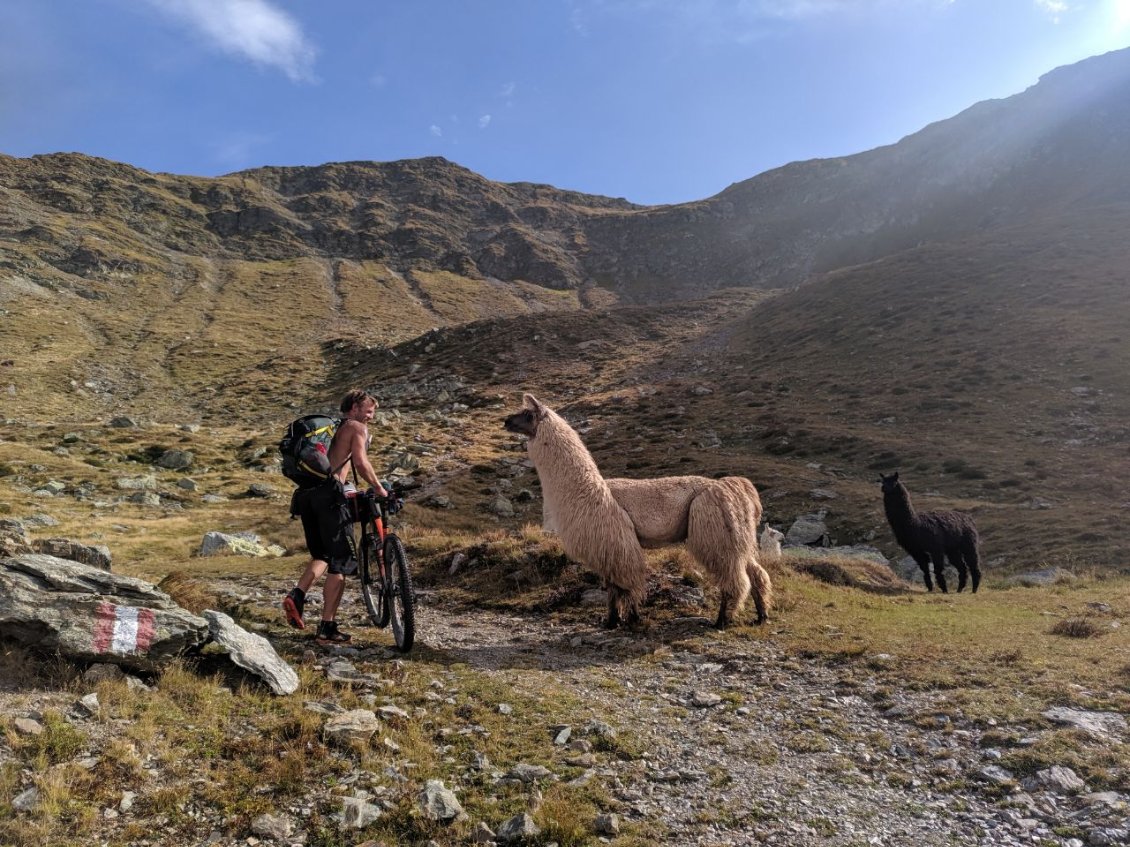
327, 518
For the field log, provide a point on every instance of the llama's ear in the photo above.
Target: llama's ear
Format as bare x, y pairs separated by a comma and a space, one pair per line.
533, 404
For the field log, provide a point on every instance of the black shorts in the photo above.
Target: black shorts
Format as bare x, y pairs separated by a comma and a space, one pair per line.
327, 521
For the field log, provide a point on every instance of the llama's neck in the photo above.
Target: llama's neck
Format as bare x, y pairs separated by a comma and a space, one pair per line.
561, 458
899, 509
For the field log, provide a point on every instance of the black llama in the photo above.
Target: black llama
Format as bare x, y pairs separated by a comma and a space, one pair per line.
935, 536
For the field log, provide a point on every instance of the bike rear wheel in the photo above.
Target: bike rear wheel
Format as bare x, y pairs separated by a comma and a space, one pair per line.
372, 586
399, 596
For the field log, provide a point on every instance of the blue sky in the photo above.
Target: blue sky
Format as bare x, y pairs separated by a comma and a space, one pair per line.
658, 101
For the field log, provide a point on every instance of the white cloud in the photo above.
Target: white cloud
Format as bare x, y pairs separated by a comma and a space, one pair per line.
435, 130
250, 29
484, 121
508, 90
1054, 8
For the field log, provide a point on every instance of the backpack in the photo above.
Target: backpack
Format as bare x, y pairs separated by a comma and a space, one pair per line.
305, 450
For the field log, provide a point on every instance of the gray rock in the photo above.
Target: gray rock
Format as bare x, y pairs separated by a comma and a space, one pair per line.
808, 530
357, 725
1106, 836
529, 773
176, 460
64, 548
439, 803
1100, 724
705, 699
518, 829
457, 562
123, 422
500, 506
1047, 576
136, 483
607, 824
393, 713
357, 813
27, 726
252, 652
25, 801
145, 498
404, 461
89, 704
482, 834
261, 490
220, 543
344, 671
275, 827
996, 775
91, 615
186, 484
1060, 780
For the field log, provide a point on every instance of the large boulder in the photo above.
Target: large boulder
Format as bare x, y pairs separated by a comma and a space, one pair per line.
808, 531
88, 614
221, 544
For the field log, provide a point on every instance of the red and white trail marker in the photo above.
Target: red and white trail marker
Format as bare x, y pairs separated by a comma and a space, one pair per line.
123, 629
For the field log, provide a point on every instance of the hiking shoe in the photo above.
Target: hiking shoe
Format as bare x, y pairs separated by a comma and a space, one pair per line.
329, 634
293, 604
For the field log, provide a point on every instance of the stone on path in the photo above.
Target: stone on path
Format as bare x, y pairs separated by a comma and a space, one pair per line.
252, 653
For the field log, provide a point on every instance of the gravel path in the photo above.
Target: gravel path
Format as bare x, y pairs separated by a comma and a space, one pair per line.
746, 745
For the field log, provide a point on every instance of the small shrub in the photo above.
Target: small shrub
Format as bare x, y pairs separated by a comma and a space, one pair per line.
1082, 627
189, 593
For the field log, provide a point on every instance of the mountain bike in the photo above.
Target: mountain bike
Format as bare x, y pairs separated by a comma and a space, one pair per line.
386, 584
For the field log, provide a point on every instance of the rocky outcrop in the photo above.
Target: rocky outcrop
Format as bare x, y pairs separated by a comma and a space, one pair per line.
63, 548
89, 614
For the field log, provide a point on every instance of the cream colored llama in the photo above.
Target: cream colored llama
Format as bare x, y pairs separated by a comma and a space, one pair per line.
602, 523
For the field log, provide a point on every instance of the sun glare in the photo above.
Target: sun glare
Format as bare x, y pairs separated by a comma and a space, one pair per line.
1119, 17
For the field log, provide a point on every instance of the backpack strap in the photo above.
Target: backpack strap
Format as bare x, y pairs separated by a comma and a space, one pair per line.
333, 471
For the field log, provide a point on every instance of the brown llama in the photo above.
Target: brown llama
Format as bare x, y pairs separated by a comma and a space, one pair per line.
932, 536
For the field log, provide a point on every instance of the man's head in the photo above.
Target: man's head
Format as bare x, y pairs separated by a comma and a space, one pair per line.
358, 405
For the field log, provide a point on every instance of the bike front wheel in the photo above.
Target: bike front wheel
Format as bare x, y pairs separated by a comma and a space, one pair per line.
399, 597
372, 591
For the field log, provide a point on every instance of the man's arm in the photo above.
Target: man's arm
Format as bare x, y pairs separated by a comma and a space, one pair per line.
357, 437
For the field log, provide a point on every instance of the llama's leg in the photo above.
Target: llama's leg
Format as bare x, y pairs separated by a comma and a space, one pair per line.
612, 620
973, 560
762, 590
725, 618
958, 561
632, 618
937, 554
923, 562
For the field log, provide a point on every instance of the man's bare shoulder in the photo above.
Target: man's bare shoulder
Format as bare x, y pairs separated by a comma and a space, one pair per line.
353, 428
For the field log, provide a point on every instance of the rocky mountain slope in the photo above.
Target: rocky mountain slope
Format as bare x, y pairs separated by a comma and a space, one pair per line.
961, 315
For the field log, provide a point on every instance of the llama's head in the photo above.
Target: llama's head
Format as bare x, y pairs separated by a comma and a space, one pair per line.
890, 483
526, 421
